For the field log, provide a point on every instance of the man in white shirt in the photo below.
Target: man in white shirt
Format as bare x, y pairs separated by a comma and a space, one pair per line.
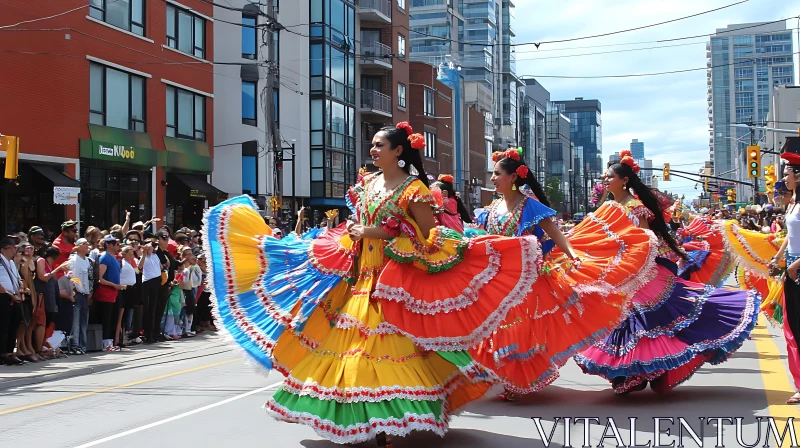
81, 266
10, 298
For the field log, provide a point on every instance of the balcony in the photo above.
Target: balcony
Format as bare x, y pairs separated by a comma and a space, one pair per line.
376, 55
375, 11
375, 103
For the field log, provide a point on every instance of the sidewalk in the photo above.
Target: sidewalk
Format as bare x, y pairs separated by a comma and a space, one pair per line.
135, 356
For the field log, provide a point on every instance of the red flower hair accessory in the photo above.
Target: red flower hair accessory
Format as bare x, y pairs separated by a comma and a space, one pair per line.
636, 168
497, 156
628, 160
407, 127
625, 153
522, 171
446, 178
417, 141
512, 154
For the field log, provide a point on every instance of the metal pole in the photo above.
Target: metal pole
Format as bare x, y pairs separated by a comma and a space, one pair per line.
755, 179
273, 142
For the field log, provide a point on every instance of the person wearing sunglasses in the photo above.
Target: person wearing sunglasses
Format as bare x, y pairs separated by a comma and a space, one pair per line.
66, 241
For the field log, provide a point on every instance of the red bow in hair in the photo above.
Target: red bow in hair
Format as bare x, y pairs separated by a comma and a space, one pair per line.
406, 126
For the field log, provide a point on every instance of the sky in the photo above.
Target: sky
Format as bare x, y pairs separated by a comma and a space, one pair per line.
669, 113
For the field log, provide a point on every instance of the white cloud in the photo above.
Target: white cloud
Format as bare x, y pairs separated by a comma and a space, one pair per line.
668, 112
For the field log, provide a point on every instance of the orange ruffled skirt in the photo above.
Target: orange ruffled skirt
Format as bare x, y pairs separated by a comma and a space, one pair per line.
563, 312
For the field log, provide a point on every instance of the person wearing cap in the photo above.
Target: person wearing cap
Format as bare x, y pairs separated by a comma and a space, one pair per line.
107, 291
790, 250
66, 241
36, 238
151, 268
79, 276
10, 299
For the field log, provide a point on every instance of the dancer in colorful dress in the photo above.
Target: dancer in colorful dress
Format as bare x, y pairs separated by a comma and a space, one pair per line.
675, 326
450, 211
319, 310
707, 259
523, 352
790, 251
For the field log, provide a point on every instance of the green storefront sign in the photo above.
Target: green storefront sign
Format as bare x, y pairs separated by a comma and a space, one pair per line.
132, 155
121, 146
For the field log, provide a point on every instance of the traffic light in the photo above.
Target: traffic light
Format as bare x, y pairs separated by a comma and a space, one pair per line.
10, 145
753, 162
666, 172
705, 185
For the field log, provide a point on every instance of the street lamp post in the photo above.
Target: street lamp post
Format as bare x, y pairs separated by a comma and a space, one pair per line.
571, 194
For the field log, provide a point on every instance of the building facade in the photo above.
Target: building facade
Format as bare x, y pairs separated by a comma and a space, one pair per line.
745, 62
560, 162
133, 127
342, 78
637, 149
434, 100
535, 100
477, 35
242, 138
585, 132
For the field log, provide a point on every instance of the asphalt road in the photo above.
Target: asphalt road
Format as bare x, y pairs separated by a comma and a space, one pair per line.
201, 393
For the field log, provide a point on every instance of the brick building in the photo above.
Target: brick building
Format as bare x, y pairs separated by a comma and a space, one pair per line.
114, 98
431, 114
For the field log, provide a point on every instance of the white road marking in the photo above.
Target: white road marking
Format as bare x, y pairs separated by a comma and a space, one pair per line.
178, 417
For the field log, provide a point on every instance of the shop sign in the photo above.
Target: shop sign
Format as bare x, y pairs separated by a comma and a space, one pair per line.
112, 152
66, 195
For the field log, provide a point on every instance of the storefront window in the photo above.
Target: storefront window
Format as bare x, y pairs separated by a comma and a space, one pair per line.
109, 193
30, 202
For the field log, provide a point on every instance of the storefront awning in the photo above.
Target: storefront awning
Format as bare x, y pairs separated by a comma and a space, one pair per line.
58, 178
199, 187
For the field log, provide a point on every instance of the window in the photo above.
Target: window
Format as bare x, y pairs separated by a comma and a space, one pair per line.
116, 98
249, 104
249, 42
429, 102
186, 32
125, 14
401, 95
186, 114
430, 145
401, 4
250, 167
401, 46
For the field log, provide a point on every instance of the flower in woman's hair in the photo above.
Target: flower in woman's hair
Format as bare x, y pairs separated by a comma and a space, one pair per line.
636, 168
626, 153
522, 171
512, 154
417, 141
446, 178
628, 160
497, 156
407, 127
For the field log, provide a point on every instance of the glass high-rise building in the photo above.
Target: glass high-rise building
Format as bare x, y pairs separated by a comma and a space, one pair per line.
745, 61
469, 33
585, 132
637, 149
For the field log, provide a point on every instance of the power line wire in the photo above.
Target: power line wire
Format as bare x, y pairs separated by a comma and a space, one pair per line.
44, 18
639, 27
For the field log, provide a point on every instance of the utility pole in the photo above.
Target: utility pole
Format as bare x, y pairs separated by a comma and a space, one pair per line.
272, 133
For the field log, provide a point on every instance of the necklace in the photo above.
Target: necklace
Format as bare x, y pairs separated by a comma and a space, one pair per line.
496, 226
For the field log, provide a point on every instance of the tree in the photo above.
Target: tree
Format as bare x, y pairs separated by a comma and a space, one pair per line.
553, 191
